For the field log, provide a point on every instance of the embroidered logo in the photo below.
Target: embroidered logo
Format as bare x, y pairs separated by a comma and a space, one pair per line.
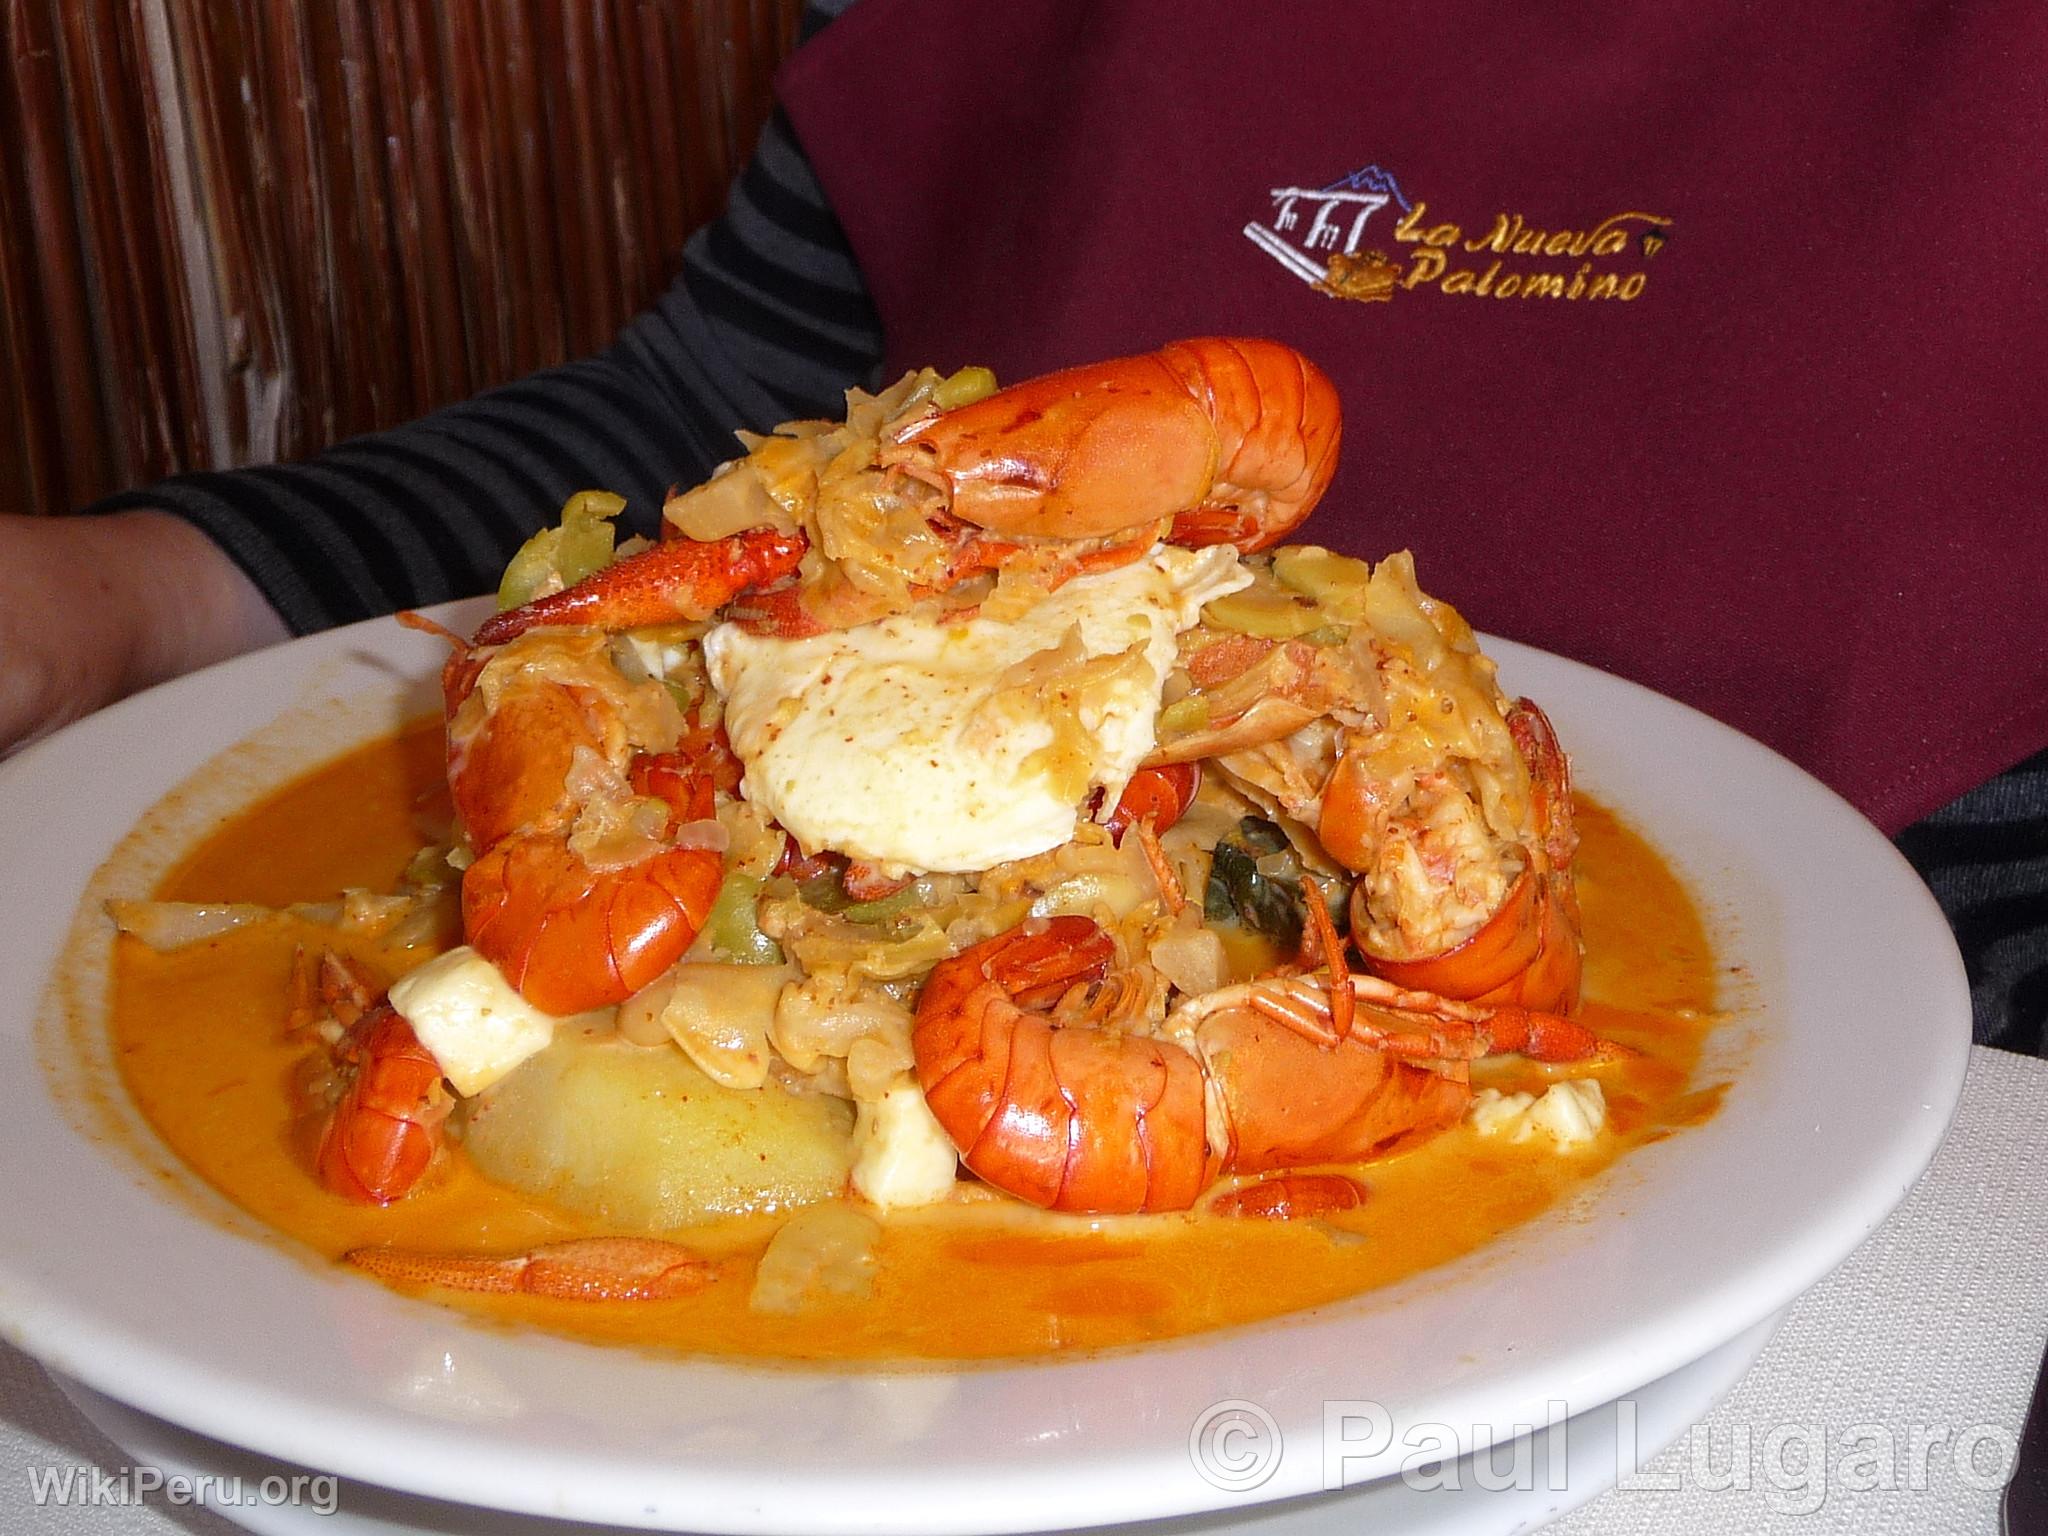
1318, 234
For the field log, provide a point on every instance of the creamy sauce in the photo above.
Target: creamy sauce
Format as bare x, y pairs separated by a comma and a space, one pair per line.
200, 1040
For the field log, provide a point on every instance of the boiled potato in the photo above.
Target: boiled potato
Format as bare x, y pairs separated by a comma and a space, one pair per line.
642, 1138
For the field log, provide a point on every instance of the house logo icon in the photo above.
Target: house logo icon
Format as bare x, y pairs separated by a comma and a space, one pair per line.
1314, 232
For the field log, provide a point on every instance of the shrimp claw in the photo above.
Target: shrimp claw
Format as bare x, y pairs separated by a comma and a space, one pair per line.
1216, 440
1413, 1024
675, 581
585, 1269
1159, 796
1292, 1197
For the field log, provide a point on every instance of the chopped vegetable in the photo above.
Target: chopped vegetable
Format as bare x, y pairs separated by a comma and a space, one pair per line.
884, 908
408, 918
821, 1254
732, 928
964, 388
169, 925
1264, 901
1265, 609
718, 1012
1191, 956
560, 557
825, 892
1337, 583
1184, 716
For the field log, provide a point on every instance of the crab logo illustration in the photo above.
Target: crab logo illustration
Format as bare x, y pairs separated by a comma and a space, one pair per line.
1314, 232
1368, 278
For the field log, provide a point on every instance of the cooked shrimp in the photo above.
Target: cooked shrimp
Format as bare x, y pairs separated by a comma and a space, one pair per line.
1211, 441
578, 786
1047, 1098
381, 1129
1208, 441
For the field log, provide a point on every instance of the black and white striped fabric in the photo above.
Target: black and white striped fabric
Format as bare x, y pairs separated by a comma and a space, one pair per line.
770, 321
1985, 856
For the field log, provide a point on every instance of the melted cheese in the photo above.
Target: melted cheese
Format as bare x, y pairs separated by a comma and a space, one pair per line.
925, 747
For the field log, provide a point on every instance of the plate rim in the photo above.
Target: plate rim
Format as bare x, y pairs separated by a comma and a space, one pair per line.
279, 1422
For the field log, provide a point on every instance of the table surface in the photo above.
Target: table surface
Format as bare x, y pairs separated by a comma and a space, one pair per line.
1890, 1400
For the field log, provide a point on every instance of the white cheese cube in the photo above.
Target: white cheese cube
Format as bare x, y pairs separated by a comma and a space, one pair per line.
1494, 1113
1570, 1113
468, 1015
901, 1155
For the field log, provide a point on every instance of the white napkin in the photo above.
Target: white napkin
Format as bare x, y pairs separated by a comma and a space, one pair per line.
44, 1439
1936, 1324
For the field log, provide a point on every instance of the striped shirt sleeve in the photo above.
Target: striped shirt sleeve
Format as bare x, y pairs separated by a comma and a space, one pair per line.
768, 321
1985, 857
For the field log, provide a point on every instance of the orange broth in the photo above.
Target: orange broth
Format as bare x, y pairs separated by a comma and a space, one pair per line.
200, 1041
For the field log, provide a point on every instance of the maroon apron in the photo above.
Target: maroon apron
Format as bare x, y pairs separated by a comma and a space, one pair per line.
1703, 343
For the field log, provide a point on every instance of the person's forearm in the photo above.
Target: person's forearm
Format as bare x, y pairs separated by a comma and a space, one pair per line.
197, 606
94, 608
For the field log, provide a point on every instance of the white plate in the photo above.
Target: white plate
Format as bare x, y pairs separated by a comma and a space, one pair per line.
1500, 1491
1847, 1059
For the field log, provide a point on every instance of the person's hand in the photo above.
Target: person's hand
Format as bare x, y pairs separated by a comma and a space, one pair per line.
93, 608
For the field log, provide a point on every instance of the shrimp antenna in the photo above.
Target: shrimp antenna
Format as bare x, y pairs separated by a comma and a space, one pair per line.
427, 626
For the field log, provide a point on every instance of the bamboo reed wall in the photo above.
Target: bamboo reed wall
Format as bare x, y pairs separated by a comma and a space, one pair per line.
233, 231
